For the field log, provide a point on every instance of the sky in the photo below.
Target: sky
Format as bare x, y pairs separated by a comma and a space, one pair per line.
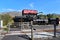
45, 6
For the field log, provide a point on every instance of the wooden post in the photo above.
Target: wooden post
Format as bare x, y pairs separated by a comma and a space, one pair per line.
32, 31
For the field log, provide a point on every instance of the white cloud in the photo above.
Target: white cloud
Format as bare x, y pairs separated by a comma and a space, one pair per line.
19, 10
31, 5
9, 9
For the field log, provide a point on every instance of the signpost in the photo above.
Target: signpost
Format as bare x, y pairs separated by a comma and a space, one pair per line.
54, 29
55, 22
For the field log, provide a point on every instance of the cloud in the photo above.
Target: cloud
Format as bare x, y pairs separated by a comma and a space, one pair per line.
31, 5
19, 10
9, 10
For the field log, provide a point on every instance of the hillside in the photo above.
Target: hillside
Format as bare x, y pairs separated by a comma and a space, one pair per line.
18, 13
13, 13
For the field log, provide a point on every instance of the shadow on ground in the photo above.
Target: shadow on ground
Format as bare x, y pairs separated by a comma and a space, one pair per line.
16, 37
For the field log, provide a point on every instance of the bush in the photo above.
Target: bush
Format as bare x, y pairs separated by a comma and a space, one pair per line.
5, 29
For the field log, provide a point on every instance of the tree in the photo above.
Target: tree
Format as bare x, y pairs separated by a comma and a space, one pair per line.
6, 18
50, 15
53, 15
41, 15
